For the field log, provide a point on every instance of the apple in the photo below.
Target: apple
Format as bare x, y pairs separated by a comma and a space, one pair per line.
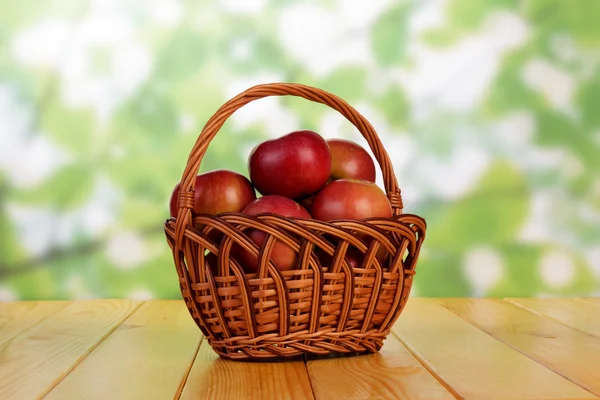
351, 199
353, 257
276, 205
173, 207
307, 202
349, 160
216, 192
283, 256
295, 165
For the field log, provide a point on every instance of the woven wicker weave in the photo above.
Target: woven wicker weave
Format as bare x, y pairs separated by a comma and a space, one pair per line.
318, 309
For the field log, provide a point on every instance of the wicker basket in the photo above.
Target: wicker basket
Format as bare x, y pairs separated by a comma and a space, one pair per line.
313, 309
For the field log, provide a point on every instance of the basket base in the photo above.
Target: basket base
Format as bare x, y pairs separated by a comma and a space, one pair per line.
303, 357
300, 350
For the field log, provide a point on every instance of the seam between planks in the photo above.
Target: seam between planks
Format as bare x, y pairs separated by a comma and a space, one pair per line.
310, 383
541, 314
429, 369
88, 352
186, 376
592, 392
36, 324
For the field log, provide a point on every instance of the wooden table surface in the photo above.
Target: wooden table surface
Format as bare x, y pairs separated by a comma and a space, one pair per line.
440, 349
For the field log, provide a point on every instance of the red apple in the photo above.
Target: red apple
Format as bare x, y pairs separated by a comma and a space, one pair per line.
351, 199
276, 205
353, 257
282, 255
295, 165
217, 192
307, 202
173, 207
350, 161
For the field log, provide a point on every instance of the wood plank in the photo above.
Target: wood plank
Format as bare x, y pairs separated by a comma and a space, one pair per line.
569, 352
34, 361
19, 316
591, 300
393, 373
148, 356
471, 362
571, 312
212, 377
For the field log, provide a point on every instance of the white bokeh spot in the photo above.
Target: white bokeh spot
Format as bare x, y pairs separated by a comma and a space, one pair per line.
468, 67
92, 218
77, 289
321, 39
556, 85
7, 294
429, 15
130, 61
517, 129
453, 178
275, 119
167, 12
127, 250
248, 7
242, 49
557, 269
537, 228
27, 159
36, 161
35, 227
140, 294
187, 122
360, 13
43, 44
238, 84
484, 269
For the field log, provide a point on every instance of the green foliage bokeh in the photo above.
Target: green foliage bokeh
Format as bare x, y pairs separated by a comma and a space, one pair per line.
100, 105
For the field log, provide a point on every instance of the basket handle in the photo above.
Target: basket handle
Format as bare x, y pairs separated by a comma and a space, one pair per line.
186, 196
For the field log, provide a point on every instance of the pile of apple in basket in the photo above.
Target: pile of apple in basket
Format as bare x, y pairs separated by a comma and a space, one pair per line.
299, 175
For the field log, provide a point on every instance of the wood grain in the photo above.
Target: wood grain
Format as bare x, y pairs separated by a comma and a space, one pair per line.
34, 361
473, 363
571, 312
147, 356
393, 373
571, 353
212, 377
476, 348
17, 317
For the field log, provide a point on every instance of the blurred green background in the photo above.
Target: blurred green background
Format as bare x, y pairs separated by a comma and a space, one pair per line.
490, 111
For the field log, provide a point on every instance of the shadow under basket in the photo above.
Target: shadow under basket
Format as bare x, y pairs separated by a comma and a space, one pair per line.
327, 304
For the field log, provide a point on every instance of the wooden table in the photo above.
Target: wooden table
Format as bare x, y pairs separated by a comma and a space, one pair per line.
440, 349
